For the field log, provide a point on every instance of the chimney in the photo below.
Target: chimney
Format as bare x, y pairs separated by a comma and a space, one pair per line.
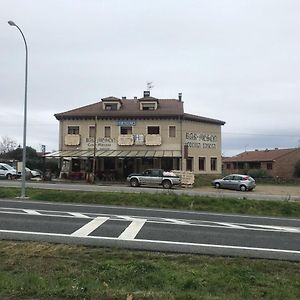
123, 97
135, 97
180, 97
146, 94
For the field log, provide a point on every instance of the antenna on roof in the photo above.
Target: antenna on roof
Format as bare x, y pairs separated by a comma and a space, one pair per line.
150, 85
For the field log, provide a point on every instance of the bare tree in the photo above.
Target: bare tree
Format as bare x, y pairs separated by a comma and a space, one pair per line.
7, 144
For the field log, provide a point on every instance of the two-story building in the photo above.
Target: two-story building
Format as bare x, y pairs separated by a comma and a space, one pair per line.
118, 136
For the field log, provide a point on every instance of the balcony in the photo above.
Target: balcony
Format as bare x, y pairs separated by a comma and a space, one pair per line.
72, 139
153, 140
125, 140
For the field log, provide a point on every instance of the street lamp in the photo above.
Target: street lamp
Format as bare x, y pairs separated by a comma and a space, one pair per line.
11, 23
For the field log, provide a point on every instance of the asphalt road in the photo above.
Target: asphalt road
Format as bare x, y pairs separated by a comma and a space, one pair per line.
150, 229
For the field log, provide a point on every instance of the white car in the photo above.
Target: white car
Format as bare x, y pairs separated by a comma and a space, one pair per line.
7, 171
30, 173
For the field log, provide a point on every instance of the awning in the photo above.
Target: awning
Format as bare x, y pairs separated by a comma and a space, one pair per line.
114, 153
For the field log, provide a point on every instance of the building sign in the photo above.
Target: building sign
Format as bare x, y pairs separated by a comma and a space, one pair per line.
102, 143
126, 123
201, 140
139, 139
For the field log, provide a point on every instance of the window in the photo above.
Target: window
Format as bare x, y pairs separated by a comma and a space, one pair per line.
107, 131
73, 129
153, 129
111, 106
201, 163
269, 166
92, 131
126, 130
148, 106
172, 131
189, 164
213, 164
228, 165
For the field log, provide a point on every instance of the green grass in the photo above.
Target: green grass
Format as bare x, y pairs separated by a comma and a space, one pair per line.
45, 271
168, 201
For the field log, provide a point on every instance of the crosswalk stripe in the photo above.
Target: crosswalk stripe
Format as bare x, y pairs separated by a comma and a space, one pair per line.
132, 230
89, 227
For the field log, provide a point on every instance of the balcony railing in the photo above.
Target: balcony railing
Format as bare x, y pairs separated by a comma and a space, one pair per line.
125, 140
72, 139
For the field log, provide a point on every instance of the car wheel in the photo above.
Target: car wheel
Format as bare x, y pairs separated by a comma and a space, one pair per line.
217, 185
166, 184
134, 182
243, 188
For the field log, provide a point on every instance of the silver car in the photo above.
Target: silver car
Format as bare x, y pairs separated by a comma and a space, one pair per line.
235, 182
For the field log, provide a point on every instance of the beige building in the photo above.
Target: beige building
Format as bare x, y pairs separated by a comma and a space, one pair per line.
115, 137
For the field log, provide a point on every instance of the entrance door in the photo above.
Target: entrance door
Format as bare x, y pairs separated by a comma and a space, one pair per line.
128, 166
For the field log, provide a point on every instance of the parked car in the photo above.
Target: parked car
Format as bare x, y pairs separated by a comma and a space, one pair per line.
31, 173
235, 182
7, 171
154, 177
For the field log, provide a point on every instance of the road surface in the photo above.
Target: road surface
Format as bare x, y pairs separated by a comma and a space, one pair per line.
151, 229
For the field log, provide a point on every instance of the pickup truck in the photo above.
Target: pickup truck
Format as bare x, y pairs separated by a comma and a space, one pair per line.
154, 177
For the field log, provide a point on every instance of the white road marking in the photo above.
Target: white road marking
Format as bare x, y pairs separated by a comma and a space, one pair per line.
230, 225
79, 215
126, 218
132, 230
179, 222
89, 227
158, 220
276, 228
156, 242
32, 212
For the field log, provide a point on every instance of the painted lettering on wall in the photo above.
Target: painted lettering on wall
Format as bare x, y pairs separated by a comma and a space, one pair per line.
201, 140
105, 142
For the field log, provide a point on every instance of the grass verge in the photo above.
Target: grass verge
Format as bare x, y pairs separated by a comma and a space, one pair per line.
45, 271
168, 201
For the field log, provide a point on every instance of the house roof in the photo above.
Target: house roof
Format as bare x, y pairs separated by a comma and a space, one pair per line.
130, 109
259, 155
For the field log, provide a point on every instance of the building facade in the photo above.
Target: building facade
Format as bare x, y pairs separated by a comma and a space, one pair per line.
274, 163
118, 136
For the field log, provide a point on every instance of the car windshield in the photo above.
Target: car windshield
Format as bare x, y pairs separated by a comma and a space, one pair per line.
7, 166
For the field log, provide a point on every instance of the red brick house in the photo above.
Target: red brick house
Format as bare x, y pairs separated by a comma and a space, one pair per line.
276, 162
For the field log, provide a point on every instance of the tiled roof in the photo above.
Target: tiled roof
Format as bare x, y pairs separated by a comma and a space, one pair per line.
130, 109
259, 155
202, 119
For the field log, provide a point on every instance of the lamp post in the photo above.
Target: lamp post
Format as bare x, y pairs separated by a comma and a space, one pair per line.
11, 23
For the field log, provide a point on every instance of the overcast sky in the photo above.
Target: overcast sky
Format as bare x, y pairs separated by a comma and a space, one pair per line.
233, 60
